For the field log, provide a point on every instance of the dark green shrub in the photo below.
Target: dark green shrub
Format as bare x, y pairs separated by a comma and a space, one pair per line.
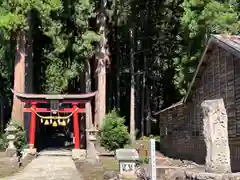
3, 141
113, 133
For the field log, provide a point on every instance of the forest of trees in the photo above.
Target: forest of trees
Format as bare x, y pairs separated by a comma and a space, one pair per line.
145, 48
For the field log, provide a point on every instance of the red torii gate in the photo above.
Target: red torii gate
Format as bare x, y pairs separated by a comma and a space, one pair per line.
74, 99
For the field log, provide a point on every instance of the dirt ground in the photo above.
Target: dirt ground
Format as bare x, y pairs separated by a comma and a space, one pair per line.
9, 166
109, 163
96, 172
6, 168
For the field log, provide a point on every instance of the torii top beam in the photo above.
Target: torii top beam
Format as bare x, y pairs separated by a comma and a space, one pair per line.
25, 96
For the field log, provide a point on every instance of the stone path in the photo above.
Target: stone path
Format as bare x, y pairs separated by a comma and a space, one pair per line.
55, 152
46, 167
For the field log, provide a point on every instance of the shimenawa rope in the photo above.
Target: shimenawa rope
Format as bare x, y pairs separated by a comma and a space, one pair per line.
54, 117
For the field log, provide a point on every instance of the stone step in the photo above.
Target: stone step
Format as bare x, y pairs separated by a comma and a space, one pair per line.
55, 152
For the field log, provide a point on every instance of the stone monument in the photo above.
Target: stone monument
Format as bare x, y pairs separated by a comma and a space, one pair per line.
127, 159
215, 131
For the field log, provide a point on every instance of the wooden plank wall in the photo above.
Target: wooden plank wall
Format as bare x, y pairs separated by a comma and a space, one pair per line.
219, 79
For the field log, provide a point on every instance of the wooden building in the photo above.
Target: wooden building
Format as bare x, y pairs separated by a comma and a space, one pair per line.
217, 76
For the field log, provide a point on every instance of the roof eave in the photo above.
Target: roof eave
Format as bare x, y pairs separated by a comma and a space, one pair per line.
213, 39
179, 103
221, 41
216, 39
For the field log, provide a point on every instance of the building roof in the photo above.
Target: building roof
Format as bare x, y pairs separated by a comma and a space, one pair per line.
169, 107
54, 96
227, 42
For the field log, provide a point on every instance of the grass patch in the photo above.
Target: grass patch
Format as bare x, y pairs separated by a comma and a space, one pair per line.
96, 172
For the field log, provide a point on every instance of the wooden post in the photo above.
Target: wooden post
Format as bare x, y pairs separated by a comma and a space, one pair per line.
153, 159
1, 116
32, 126
76, 128
143, 99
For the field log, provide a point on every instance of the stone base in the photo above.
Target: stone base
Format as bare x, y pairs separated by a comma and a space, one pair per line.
26, 158
78, 154
14, 161
193, 175
110, 175
10, 152
212, 176
32, 151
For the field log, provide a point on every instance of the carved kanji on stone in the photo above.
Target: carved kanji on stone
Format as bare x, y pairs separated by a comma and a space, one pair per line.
215, 131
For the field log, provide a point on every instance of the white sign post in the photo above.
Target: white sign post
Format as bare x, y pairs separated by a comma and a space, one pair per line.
153, 159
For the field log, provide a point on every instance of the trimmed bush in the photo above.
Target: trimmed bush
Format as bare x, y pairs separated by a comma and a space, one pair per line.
113, 134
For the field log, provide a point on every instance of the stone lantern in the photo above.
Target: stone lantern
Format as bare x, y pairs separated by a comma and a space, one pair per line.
91, 149
11, 130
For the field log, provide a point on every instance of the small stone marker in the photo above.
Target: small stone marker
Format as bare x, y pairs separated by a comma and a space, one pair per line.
152, 150
127, 159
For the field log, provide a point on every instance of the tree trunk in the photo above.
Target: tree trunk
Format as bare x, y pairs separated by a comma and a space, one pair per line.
102, 57
148, 119
101, 94
88, 107
1, 115
132, 93
19, 77
143, 99
118, 67
118, 84
29, 58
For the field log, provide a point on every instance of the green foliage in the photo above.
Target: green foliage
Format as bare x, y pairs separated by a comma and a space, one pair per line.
66, 24
72, 42
3, 141
113, 134
169, 35
199, 20
157, 138
144, 160
14, 14
20, 141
